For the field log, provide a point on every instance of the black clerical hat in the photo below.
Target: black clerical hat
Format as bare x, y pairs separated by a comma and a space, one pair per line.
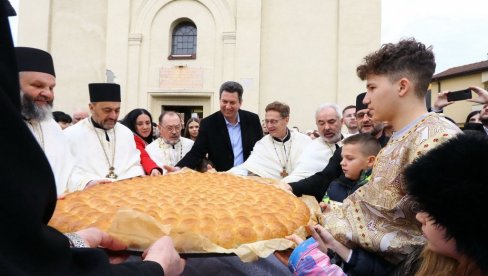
359, 102
34, 60
104, 92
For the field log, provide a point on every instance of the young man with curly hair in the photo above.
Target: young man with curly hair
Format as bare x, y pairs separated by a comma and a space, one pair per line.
379, 216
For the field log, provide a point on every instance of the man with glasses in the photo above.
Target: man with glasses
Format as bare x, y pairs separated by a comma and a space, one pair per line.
170, 147
104, 150
276, 154
365, 121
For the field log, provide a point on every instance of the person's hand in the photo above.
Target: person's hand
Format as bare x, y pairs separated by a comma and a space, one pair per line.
294, 238
96, 182
482, 95
171, 169
324, 207
322, 236
155, 172
95, 237
441, 101
326, 241
210, 168
285, 186
163, 252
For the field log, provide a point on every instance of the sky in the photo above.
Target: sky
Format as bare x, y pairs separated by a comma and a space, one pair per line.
457, 29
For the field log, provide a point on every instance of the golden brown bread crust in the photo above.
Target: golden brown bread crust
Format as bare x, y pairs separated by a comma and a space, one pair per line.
227, 209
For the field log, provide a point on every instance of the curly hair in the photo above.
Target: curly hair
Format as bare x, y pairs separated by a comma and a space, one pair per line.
407, 58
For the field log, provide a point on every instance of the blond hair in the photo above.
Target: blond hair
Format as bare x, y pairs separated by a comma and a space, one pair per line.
435, 264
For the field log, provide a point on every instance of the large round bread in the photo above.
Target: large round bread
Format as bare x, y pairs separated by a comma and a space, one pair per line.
229, 210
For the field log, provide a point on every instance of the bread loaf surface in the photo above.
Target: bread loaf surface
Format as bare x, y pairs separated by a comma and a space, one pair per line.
227, 209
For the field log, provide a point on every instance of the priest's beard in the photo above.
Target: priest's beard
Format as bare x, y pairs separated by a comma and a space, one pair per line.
32, 111
171, 142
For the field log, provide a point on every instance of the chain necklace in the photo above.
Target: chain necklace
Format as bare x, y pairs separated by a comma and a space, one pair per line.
38, 134
284, 172
111, 170
173, 156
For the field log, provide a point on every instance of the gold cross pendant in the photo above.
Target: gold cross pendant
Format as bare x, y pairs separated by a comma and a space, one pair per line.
284, 173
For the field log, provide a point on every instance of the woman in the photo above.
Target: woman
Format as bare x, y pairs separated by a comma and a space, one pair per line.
139, 121
473, 117
191, 129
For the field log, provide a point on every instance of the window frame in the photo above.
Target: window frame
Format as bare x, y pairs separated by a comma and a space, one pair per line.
178, 26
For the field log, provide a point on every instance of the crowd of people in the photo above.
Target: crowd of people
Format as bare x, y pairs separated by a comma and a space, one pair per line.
399, 187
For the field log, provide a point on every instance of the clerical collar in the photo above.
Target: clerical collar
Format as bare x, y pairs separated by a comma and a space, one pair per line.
97, 125
287, 137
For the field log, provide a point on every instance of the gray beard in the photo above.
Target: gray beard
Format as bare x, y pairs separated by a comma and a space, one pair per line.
171, 142
333, 140
31, 111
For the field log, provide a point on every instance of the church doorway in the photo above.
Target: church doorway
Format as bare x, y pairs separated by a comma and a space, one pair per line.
185, 111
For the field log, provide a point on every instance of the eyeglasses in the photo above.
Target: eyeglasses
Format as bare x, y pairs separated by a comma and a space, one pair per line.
361, 115
272, 121
172, 128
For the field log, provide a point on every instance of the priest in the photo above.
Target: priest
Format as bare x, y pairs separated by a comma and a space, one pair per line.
276, 154
317, 154
104, 149
37, 81
170, 147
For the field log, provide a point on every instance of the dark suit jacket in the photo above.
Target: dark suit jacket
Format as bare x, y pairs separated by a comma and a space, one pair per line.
28, 198
213, 138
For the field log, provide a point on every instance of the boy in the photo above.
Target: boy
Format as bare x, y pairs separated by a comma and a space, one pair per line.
379, 216
358, 156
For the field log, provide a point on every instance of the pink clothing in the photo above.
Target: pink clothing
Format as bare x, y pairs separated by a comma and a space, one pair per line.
307, 259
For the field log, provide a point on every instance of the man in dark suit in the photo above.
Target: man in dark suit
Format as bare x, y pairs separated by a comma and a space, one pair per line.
28, 198
228, 135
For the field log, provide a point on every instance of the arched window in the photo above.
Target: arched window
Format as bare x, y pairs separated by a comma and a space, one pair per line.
184, 41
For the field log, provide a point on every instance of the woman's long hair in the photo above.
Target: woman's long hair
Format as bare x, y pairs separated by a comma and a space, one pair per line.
433, 263
187, 132
130, 122
471, 114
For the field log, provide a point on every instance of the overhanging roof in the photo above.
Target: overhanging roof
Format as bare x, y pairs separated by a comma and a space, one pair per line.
462, 70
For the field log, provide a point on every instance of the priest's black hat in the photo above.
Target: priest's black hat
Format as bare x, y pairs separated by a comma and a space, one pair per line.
359, 102
104, 92
34, 60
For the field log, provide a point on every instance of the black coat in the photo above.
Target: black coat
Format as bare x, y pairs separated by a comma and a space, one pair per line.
213, 139
28, 197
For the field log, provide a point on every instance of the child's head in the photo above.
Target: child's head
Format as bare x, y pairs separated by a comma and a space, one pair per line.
358, 153
396, 70
451, 188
